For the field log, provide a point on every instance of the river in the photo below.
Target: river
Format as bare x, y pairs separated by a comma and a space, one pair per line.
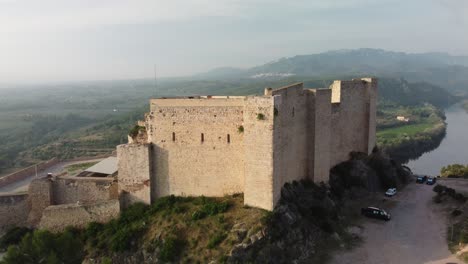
452, 149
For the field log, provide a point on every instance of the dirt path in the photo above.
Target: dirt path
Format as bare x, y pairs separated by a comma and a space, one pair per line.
415, 234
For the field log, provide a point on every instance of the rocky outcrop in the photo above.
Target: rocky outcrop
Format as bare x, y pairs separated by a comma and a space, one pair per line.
374, 172
306, 215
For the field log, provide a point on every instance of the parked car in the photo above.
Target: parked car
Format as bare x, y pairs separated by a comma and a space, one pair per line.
431, 180
390, 192
421, 179
375, 212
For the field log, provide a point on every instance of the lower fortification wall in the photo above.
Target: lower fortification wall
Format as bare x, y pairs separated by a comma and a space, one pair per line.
56, 218
14, 210
66, 190
134, 173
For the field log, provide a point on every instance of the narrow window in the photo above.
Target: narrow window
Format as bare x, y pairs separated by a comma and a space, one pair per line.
228, 138
173, 136
293, 112
202, 137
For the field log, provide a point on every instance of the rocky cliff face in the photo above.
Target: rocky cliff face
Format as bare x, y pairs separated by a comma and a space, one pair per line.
310, 219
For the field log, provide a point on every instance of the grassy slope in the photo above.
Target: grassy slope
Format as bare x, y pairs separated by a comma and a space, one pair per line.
178, 229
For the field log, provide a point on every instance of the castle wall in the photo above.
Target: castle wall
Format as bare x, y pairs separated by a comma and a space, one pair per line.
258, 142
66, 190
372, 94
350, 119
14, 210
291, 134
192, 155
58, 217
196, 145
40, 197
134, 173
319, 134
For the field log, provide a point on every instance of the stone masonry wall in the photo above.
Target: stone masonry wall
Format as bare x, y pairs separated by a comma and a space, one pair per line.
14, 209
291, 134
258, 143
40, 197
134, 173
320, 133
219, 145
57, 217
350, 119
66, 190
198, 149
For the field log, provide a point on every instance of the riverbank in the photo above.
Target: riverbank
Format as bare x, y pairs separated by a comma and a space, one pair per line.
409, 141
453, 148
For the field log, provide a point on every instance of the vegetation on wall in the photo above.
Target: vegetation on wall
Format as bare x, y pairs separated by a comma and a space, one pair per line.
135, 130
260, 116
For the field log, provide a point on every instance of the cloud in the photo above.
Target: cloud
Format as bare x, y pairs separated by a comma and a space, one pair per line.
56, 14
458, 9
50, 15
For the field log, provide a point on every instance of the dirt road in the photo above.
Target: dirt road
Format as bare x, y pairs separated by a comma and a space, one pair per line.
22, 186
415, 234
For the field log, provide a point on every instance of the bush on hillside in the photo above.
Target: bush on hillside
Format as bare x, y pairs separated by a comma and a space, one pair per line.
13, 236
44, 247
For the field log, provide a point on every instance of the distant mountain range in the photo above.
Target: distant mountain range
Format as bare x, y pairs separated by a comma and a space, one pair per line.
447, 71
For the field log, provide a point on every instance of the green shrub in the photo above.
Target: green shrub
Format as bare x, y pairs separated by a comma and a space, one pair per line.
106, 260
260, 116
216, 240
439, 189
42, 245
210, 209
13, 236
437, 199
171, 249
135, 130
240, 129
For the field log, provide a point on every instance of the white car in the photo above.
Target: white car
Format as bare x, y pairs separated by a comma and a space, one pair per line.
391, 192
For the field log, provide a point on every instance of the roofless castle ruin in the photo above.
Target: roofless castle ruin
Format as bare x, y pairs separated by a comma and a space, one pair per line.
217, 145
212, 146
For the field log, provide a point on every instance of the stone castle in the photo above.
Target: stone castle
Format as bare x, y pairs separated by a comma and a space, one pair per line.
218, 145
212, 146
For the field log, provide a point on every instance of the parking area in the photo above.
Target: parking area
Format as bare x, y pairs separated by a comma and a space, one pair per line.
415, 234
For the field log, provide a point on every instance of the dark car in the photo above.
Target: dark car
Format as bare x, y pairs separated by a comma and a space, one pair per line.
421, 179
375, 212
431, 180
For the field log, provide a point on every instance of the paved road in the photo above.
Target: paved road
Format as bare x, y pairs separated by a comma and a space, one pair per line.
22, 186
414, 235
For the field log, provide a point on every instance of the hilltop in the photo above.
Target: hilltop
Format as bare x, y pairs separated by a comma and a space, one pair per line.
450, 72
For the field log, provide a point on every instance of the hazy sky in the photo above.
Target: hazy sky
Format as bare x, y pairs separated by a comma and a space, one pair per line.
62, 40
